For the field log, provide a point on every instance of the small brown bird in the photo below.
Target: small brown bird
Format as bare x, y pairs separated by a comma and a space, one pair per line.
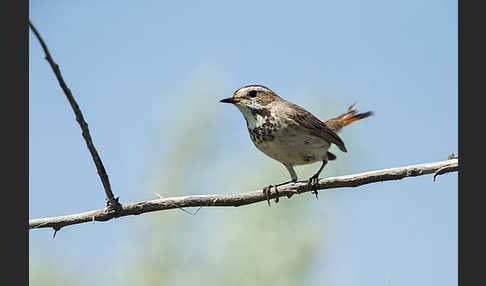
288, 133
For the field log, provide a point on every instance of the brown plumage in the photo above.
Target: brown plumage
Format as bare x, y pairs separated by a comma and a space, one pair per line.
315, 126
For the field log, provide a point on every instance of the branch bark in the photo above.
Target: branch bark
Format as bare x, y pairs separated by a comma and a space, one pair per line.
112, 203
224, 200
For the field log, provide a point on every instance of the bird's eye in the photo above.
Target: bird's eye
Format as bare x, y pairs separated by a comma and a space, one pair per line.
252, 93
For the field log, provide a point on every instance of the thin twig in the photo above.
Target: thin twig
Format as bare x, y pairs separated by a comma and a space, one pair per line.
446, 169
111, 202
182, 209
236, 200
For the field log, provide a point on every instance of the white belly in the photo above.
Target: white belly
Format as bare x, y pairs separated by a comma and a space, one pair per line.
294, 148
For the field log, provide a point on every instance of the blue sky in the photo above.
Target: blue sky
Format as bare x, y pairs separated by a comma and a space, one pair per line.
134, 67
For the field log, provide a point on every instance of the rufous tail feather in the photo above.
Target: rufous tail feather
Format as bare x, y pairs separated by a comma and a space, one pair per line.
350, 116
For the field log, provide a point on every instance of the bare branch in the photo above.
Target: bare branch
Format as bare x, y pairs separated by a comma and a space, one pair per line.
112, 203
236, 200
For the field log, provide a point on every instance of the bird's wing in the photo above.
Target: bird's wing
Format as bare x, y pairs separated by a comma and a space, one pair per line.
315, 126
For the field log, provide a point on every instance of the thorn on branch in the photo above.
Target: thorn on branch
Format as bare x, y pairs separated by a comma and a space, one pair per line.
447, 169
451, 156
56, 229
444, 170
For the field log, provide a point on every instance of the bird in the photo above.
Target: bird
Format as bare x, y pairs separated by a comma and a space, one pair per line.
288, 133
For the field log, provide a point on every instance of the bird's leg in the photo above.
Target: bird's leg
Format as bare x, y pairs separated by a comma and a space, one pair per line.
268, 190
312, 183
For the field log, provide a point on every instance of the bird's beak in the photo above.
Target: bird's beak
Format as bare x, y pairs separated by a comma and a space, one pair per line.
229, 100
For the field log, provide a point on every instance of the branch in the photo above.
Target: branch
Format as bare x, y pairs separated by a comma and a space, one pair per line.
112, 203
236, 200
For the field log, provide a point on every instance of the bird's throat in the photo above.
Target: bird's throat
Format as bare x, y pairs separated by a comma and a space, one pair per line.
256, 118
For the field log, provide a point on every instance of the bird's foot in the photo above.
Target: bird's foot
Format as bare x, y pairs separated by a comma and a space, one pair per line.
267, 191
312, 184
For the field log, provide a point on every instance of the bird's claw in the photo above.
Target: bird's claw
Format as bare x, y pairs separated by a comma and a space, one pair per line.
312, 184
268, 191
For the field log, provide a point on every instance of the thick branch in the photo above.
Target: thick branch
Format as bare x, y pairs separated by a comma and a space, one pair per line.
112, 203
251, 197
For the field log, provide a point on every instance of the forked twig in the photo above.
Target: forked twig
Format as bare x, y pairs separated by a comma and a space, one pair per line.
111, 202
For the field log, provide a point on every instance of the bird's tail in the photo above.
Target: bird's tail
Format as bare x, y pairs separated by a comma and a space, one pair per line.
350, 116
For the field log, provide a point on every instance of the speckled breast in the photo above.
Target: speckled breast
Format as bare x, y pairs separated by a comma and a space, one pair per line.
265, 132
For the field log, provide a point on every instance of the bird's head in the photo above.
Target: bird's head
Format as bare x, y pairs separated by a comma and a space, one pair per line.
252, 99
